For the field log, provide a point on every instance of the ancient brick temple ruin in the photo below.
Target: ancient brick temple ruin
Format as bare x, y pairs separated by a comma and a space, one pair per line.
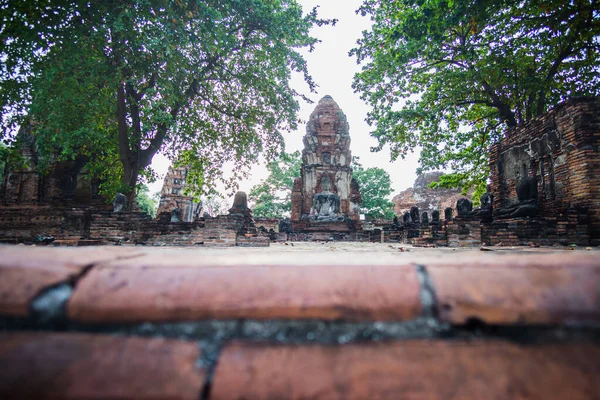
63, 207
545, 190
424, 197
37, 206
546, 180
325, 198
173, 200
545, 186
67, 183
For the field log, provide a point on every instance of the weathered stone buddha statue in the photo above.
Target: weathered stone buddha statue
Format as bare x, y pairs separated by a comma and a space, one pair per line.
484, 211
448, 211
240, 204
424, 218
464, 207
326, 205
435, 217
176, 215
241, 212
119, 203
414, 215
526, 205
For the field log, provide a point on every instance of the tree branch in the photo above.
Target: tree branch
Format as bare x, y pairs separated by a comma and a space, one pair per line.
134, 113
145, 156
505, 112
567, 51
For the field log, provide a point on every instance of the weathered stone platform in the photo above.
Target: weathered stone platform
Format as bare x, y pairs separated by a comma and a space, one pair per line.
299, 320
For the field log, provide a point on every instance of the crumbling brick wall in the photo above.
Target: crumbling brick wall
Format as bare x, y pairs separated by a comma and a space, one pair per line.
561, 150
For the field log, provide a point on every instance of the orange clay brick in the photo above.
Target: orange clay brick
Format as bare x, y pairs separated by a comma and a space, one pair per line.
142, 291
83, 366
518, 294
26, 271
409, 370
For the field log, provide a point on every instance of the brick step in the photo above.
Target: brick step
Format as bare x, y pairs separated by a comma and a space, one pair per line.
413, 369
335, 323
78, 366
83, 365
77, 242
122, 286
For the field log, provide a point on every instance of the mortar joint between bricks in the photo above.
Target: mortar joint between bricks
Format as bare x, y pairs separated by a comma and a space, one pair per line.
427, 293
210, 352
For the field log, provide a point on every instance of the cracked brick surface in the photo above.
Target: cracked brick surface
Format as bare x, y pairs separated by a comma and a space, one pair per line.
143, 292
509, 288
513, 295
322, 321
26, 271
84, 366
408, 370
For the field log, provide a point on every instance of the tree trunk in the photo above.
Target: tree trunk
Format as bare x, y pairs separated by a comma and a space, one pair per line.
128, 158
130, 178
507, 115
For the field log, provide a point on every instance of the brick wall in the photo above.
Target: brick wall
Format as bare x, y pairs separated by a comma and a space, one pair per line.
561, 149
145, 323
267, 223
433, 234
222, 231
85, 226
25, 223
463, 232
140, 228
568, 229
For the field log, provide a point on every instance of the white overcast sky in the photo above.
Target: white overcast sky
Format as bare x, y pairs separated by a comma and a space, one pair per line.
332, 69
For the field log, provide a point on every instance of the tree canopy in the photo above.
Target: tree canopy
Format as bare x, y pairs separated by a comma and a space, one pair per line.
203, 81
272, 197
375, 187
449, 76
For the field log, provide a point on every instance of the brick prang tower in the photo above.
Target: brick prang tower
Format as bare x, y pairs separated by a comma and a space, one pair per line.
326, 162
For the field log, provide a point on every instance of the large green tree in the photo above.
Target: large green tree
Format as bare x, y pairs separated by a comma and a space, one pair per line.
272, 197
204, 81
450, 75
375, 187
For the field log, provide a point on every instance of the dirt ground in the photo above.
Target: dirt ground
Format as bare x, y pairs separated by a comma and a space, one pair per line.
379, 248
347, 253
